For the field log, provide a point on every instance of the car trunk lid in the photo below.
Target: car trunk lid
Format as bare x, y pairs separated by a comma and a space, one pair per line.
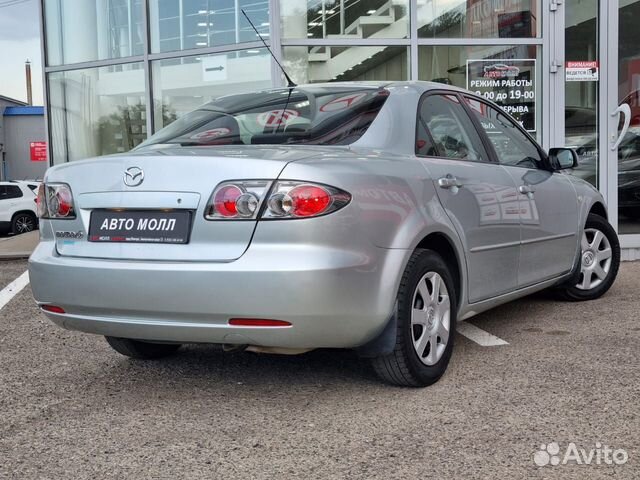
175, 181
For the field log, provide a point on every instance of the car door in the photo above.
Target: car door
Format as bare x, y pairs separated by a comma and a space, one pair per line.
479, 196
548, 201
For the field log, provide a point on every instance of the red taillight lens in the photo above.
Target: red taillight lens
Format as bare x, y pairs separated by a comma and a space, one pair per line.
224, 200
242, 200
309, 200
292, 199
65, 202
55, 200
258, 322
236, 200
52, 308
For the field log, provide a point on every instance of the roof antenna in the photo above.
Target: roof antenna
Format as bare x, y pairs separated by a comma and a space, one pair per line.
290, 82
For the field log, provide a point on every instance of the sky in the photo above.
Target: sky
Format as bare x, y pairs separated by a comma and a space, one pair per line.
19, 41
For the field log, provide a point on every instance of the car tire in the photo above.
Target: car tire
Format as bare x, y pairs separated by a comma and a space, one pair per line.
414, 362
23, 223
142, 350
598, 264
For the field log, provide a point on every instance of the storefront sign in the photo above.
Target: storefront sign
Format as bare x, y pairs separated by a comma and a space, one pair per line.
214, 68
509, 83
38, 151
582, 71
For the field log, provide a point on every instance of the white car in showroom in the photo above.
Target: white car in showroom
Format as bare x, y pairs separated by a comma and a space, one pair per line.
18, 207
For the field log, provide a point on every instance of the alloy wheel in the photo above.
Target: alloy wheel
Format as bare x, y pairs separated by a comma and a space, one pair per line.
430, 318
24, 224
595, 259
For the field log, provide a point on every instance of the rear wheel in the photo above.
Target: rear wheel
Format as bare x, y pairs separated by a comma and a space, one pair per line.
142, 350
23, 223
599, 262
426, 320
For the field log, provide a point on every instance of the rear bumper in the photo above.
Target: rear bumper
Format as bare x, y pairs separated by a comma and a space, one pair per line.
332, 297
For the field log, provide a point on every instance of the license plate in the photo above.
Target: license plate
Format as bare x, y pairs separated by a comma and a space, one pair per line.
143, 226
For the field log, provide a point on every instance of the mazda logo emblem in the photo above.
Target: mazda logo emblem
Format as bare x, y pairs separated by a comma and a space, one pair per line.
133, 176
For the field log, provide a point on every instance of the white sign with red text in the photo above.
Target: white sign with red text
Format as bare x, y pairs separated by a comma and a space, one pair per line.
582, 71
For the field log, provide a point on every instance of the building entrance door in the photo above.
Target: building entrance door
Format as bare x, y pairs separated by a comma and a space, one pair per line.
623, 101
602, 104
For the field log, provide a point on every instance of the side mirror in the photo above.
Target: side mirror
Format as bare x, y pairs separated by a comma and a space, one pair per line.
563, 158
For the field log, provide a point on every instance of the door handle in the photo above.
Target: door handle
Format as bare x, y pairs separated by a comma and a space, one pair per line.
449, 182
624, 109
526, 189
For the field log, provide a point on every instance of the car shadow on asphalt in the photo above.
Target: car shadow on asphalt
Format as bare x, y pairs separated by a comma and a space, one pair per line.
208, 365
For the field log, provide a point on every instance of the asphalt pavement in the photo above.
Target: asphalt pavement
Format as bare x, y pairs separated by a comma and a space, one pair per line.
71, 408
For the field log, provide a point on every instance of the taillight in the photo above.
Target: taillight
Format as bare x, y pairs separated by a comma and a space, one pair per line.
55, 200
236, 200
243, 200
42, 203
291, 199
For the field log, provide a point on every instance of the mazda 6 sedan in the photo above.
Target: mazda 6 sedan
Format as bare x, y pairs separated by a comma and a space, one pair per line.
347, 215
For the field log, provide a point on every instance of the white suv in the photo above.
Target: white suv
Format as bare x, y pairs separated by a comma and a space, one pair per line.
18, 206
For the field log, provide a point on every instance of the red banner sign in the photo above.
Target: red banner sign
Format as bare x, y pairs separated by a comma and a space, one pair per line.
38, 151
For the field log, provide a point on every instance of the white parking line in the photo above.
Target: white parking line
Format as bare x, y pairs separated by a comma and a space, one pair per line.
13, 289
478, 335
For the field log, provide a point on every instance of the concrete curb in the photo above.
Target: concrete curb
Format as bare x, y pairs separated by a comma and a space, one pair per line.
14, 255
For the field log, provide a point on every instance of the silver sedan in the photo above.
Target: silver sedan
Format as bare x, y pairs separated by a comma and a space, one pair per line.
355, 215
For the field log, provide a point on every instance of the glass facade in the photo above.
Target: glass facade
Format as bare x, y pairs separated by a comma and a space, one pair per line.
478, 68
96, 111
119, 70
89, 30
182, 85
342, 63
479, 19
344, 19
187, 24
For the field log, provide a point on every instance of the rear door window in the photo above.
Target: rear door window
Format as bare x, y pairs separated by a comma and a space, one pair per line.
513, 147
445, 130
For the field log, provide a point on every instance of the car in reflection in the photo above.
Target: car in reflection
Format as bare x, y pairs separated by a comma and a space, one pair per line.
501, 70
368, 216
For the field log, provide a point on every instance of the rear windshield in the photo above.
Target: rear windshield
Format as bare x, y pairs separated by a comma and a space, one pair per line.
317, 116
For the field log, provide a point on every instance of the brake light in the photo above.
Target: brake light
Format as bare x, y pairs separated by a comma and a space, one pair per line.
258, 322
55, 200
242, 200
309, 201
52, 308
224, 200
290, 199
236, 200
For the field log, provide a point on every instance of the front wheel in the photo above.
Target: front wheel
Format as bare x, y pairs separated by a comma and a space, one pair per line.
141, 350
599, 261
426, 324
